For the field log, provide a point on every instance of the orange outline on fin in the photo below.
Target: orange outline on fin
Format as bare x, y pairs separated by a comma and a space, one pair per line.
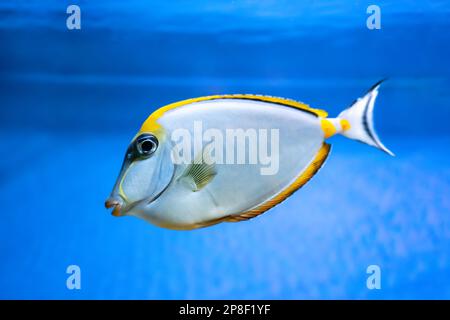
150, 124
300, 181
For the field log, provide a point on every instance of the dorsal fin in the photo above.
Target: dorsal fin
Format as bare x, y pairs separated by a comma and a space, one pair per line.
151, 123
301, 180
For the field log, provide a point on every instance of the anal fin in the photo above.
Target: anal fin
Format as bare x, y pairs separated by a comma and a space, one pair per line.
301, 180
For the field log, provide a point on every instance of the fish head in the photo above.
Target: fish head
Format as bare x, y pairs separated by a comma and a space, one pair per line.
146, 172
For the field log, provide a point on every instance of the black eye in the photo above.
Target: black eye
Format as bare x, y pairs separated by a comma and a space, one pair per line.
146, 144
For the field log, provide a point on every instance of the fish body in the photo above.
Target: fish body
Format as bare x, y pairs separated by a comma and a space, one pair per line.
229, 158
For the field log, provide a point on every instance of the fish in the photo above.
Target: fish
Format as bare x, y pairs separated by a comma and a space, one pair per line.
230, 158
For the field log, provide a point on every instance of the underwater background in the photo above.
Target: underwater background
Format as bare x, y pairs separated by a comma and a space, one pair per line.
71, 100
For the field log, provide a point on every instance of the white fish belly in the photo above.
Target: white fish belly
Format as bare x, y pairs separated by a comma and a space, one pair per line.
240, 187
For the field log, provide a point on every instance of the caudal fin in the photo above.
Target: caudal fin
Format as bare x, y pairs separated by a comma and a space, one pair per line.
360, 119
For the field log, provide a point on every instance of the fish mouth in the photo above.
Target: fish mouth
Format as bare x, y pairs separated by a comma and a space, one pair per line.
116, 205
121, 206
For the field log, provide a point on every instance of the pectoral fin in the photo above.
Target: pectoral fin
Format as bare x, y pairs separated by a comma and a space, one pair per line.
199, 173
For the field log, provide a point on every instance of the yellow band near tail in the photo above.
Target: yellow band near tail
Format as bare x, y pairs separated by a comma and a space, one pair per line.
328, 128
331, 126
345, 124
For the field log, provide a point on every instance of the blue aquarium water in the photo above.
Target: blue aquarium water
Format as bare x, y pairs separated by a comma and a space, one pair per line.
71, 100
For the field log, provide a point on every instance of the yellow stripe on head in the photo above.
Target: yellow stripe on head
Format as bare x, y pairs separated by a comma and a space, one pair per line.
152, 126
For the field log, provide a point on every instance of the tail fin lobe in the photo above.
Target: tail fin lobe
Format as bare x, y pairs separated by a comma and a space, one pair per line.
360, 117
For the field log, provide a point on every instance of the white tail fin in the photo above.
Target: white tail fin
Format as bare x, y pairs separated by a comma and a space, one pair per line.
360, 117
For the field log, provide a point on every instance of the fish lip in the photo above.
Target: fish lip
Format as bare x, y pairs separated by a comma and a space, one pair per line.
117, 201
116, 205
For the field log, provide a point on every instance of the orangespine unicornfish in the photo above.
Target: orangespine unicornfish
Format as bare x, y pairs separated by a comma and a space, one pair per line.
229, 158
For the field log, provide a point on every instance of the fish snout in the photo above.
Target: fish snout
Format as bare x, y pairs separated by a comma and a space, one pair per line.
116, 204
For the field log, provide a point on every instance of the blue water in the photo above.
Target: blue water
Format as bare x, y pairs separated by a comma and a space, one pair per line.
72, 100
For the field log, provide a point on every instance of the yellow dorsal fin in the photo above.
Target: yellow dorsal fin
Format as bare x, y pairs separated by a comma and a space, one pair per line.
151, 124
301, 180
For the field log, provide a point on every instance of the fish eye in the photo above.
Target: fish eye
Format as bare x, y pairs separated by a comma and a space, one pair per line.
146, 144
